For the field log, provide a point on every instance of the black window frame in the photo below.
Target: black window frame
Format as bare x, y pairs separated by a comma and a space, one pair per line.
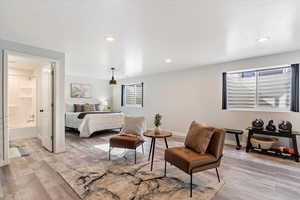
294, 105
123, 95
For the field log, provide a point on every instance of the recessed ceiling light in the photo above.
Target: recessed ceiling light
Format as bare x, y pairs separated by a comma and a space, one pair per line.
168, 60
109, 38
263, 39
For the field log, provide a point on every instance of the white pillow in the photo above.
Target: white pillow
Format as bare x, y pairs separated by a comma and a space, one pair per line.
69, 107
133, 125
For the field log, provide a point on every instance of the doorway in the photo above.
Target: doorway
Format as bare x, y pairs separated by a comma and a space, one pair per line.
30, 101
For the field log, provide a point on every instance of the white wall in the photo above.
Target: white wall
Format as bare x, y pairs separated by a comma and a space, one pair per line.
196, 94
100, 90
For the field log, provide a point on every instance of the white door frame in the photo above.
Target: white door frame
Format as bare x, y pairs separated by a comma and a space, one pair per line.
4, 160
5, 105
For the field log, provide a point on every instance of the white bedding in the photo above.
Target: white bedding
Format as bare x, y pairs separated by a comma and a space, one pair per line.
94, 122
72, 120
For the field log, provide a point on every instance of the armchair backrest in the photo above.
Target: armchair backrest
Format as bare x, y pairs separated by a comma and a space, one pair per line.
216, 144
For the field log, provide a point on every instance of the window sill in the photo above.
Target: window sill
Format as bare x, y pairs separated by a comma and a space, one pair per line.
132, 106
258, 110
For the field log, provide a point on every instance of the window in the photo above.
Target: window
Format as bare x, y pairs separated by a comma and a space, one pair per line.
132, 95
270, 89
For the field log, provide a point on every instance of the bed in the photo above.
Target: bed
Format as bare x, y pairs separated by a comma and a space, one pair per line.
88, 123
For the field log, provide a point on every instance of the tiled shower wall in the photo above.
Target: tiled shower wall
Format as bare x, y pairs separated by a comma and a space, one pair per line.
21, 99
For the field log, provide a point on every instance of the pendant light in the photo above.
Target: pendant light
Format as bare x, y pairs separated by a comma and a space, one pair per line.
112, 82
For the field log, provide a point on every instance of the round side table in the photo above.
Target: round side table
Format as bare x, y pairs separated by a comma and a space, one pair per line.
151, 134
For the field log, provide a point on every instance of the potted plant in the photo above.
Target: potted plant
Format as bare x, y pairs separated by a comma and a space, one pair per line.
157, 123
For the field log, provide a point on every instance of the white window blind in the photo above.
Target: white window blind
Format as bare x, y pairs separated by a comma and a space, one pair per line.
241, 90
134, 95
274, 89
267, 89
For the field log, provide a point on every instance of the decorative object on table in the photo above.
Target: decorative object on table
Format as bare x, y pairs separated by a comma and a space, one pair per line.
113, 81
262, 142
271, 126
285, 127
258, 124
79, 90
287, 150
290, 151
157, 123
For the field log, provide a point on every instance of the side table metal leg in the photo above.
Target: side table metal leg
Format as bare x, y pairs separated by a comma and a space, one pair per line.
150, 149
166, 143
153, 150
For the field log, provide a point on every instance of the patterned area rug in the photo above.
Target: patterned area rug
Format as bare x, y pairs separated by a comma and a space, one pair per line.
120, 179
17, 151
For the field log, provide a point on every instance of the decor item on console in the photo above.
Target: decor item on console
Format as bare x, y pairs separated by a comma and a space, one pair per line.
258, 124
271, 126
263, 142
103, 106
157, 123
285, 127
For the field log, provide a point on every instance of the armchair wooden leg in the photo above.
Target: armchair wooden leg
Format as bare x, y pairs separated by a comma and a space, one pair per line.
218, 174
191, 185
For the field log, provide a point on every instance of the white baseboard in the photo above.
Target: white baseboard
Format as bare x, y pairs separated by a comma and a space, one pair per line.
22, 133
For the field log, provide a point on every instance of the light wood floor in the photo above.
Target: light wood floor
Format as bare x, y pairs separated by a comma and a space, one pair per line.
246, 175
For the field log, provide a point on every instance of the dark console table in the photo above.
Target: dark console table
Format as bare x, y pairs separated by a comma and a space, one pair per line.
274, 152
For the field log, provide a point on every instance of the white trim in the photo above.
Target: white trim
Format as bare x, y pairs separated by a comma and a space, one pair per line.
4, 160
257, 110
59, 57
55, 85
133, 105
259, 69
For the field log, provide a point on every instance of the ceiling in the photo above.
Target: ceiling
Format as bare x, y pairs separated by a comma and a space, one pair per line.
25, 63
192, 33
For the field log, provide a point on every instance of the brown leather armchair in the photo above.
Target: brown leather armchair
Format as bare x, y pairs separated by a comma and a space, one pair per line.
191, 162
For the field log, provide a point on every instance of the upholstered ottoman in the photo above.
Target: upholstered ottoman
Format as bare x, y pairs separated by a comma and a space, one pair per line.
126, 142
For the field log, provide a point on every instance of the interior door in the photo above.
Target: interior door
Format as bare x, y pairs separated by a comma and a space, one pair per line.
46, 107
4, 144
